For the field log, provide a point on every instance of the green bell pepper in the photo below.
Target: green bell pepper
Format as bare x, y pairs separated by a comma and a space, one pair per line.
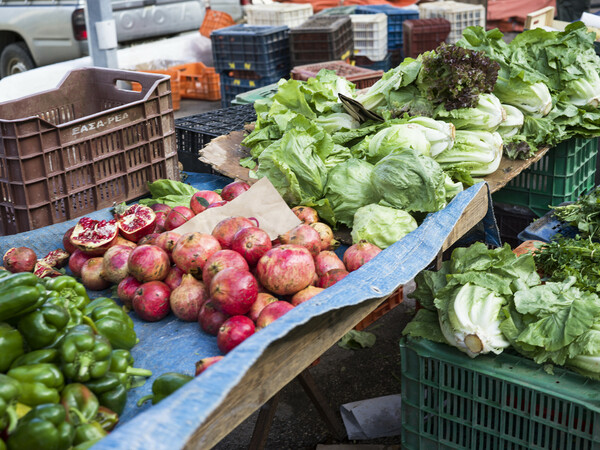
165, 385
118, 333
110, 392
44, 326
46, 355
106, 418
84, 355
44, 427
11, 346
2, 444
121, 364
86, 432
98, 303
86, 445
78, 396
73, 292
10, 390
40, 383
23, 294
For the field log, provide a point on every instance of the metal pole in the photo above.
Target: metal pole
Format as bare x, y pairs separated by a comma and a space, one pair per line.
102, 33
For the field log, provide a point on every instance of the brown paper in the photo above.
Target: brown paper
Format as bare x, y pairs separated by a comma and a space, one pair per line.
261, 201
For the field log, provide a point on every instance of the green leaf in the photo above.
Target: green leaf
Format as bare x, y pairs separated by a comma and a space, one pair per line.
355, 340
426, 325
248, 162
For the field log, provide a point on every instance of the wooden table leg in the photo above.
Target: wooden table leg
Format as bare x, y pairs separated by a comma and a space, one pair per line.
263, 423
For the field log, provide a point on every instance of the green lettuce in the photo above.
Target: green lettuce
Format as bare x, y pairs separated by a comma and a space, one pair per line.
487, 115
381, 225
479, 152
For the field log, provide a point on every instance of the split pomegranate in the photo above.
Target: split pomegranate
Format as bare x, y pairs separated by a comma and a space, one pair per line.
303, 235
135, 221
92, 274
205, 363
151, 301
115, 263
94, 237
272, 312
233, 291
221, 260
326, 261
174, 277
202, 199
233, 190
148, 263
187, 299
305, 294
359, 254
127, 289
210, 318
177, 217
332, 277
233, 332
262, 300
66, 240
286, 269
306, 214
226, 229
326, 234
56, 258
193, 250
19, 259
42, 270
77, 260
252, 243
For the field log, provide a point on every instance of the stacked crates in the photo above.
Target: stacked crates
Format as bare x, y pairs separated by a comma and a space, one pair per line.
276, 14
322, 38
421, 35
460, 16
370, 35
395, 18
362, 78
248, 57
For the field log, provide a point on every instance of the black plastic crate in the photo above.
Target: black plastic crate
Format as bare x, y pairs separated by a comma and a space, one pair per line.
231, 86
322, 38
246, 47
512, 220
193, 133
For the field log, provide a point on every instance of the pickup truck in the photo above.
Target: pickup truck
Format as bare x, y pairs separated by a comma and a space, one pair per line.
40, 32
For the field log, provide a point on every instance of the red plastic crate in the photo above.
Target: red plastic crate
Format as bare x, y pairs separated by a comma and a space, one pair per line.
361, 77
421, 35
199, 82
84, 145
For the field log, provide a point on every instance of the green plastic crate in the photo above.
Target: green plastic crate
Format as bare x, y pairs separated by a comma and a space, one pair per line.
255, 94
562, 175
450, 401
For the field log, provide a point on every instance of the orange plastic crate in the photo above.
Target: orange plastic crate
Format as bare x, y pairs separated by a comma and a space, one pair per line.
175, 85
388, 304
199, 82
215, 20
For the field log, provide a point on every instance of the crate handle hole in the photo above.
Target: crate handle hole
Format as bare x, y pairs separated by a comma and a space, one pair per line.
128, 85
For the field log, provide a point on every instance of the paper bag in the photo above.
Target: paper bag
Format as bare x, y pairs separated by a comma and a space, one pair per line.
261, 201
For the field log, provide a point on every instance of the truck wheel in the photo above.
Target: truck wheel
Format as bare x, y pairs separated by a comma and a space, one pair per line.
15, 58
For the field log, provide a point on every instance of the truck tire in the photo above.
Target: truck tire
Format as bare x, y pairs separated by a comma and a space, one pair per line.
15, 58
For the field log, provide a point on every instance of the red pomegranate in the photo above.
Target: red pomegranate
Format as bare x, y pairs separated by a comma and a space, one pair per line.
127, 289
233, 291
148, 263
262, 300
135, 221
120, 240
77, 260
177, 217
217, 204
233, 332
272, 312
202, 199
92, 274
303, 235
159, 223
174, 277
211, 318
193, 250
252, 243
226, 229
115, 263
233, 190
66, 240
305, 294
306, 214
160, 207
326, 261
223, 259
94, 237
151, 301
326, 234
167, 241
187, 299
359, 254
286, 269
205, 363
19, 259
332, 277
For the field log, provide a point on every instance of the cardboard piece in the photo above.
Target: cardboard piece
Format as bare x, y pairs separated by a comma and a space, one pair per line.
373, 418
261, 201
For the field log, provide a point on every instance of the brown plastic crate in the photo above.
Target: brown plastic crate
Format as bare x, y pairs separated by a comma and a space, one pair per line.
362, 78
82, 146
386, 306
199, 82
421, 35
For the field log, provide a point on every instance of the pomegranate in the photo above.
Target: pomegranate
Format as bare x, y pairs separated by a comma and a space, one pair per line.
226, 229
272, 312
160, 207
177, 217
66, 240
223, 259
305, 294
315, 279
19, 259
115, 263
217, 204
135, 221
210, 318
326, 234
174, 277
193, 250
306, 214
94, 236
332, 277
286, 269
77, 260
148, 263
202, 199
127, 289
205, 363
359, 254
262, 300
167, 241
252, 243
149, 239
187, 299
151, 301
232, 190
303, 235
92, 276
233, 291
233, 332
326, 261
159, 223
122, 241
56, 258
42, 270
